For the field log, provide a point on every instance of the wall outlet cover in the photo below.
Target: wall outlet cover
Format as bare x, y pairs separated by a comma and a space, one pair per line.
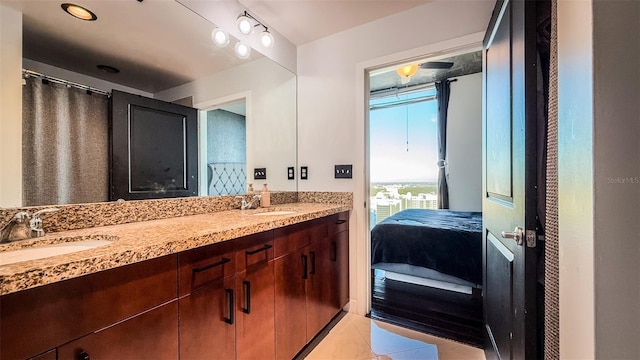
304, 172
343, 171
291, 173
260, 174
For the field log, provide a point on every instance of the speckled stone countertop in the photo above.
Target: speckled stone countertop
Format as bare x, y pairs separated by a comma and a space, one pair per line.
138, 241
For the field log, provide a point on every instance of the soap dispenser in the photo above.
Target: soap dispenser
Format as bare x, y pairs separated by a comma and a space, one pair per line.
265, 196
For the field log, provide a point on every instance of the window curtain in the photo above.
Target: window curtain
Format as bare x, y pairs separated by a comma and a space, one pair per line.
65, 135
443, 91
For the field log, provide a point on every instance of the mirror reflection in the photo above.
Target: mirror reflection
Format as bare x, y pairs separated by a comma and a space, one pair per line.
161, 50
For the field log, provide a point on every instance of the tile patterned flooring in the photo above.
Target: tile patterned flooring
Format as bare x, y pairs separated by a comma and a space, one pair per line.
357, 337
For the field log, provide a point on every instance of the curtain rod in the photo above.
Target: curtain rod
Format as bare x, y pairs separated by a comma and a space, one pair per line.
394, 91
401, 103
30, 73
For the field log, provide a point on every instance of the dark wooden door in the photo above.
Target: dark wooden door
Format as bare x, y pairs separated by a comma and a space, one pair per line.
153, 148
207, 321
509, 259
339, 257
255, 309
150, 335
319, 287
291, 272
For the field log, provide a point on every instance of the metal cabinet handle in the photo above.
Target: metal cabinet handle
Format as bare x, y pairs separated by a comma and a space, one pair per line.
334, 251
83, 355
247, 297
517, 235
210, 266
229, 319
304, 266
264, 248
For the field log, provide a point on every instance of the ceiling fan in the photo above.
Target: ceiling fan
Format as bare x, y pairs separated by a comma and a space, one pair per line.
436, 65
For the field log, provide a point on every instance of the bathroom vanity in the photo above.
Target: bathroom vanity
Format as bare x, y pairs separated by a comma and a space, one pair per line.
226, 285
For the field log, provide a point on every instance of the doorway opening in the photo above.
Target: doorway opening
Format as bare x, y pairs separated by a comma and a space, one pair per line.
223, 149
424, 274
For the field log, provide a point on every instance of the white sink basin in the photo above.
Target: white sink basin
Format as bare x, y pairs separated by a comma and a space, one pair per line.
44, 251
274, 213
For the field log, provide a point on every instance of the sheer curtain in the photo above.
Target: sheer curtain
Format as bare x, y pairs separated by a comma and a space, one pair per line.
443, 91
65, 144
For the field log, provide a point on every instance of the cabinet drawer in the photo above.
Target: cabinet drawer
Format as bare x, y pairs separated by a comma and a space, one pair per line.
205, 265
294, 237
150, 335
39, 319
338, 223
254, 250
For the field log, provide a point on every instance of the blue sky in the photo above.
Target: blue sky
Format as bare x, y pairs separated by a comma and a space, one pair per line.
390, 160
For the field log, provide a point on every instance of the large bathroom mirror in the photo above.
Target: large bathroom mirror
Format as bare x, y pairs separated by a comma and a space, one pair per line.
163, 50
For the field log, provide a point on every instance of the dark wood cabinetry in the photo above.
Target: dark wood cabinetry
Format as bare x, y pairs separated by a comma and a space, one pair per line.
39, 319
262, 296
150, 335
255, 326
206, 278
311, 280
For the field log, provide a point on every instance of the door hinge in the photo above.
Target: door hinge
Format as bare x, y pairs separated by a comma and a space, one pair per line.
531, 238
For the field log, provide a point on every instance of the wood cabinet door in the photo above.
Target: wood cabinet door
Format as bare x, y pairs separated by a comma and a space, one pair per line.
207, 321
255, 313
339, 258
319, 287
150, 335
290, 304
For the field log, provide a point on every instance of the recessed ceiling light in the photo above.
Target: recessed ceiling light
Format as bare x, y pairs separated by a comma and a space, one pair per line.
79, 12
108, 69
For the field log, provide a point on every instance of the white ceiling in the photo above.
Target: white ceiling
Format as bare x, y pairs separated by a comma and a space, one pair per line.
303, 21
159, 44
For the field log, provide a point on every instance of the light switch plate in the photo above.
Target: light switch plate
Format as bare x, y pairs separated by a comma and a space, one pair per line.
260, 174
343, 171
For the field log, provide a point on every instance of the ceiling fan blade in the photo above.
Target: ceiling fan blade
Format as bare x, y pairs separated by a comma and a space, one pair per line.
436, 65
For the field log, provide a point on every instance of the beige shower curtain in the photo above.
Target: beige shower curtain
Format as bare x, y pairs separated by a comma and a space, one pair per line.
65, 144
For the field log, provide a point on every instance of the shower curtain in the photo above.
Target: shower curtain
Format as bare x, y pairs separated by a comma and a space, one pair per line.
65, 144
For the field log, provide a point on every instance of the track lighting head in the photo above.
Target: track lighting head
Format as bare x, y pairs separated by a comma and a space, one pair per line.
266, 39
220, 37
244, 24
243, 51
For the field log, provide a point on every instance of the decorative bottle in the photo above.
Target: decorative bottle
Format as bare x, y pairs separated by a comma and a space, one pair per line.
265, 196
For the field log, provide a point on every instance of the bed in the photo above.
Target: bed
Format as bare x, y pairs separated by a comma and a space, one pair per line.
438, 248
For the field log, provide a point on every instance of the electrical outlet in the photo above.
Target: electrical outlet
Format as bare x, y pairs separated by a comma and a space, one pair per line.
343, 171
304, 172
260, 174
291, 173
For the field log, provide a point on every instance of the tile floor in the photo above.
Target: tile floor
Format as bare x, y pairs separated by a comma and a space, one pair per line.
357, 337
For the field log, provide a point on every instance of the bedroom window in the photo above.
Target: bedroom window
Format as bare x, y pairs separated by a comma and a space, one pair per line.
403, 152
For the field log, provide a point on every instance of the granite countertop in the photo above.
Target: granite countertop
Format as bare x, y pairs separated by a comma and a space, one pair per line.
146, 240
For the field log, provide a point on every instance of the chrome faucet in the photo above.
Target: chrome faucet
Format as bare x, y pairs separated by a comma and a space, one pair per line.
251, 204
19, 229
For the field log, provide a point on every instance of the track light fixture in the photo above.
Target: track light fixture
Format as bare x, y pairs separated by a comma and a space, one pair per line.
245, 23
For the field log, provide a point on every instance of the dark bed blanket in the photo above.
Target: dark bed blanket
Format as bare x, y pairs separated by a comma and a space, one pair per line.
442, 240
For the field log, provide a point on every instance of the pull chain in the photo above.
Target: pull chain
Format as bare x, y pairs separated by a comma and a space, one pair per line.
407, 119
